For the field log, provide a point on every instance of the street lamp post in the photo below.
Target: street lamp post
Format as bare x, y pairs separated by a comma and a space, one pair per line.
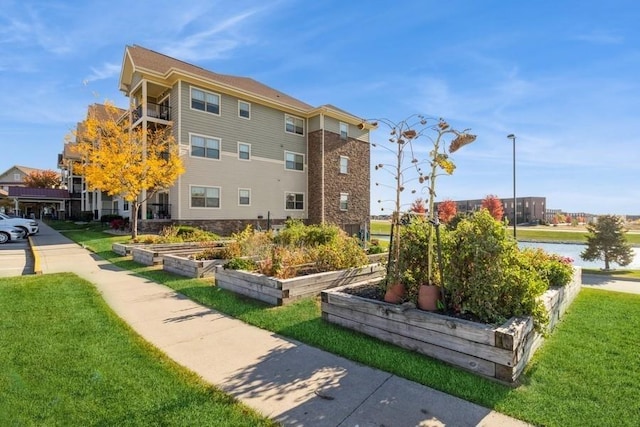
512, 137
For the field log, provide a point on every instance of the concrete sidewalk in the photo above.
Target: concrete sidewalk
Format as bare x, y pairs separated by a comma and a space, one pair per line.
290, 382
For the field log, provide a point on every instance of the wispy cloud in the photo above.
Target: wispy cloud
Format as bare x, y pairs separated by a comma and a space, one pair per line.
599, 37
106, 71
212, 43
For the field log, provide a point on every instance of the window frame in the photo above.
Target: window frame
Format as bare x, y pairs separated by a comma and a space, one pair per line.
295, 202
205, 187
344, 202
205, 92
294, 118
295, 154
346, 166
205, 137
344, 136
240, 197
248, 145
240, 101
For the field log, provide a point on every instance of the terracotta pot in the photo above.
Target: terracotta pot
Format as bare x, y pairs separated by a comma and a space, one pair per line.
428, 296
395, 293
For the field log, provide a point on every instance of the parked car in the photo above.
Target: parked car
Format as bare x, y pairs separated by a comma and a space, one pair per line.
9, 233
29, 226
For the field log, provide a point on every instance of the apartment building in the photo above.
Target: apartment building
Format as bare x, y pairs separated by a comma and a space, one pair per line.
528, 209
252, 154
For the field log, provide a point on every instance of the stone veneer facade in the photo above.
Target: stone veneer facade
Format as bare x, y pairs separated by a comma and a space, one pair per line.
356, 183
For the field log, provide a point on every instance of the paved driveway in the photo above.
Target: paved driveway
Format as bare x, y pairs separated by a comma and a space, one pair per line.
15, 258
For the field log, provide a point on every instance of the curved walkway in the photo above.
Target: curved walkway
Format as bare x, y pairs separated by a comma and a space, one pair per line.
290, 382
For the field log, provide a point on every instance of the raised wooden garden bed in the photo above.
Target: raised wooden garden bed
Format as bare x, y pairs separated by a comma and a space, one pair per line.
153, 254
124, 249
496, 352
284, 291
190, 267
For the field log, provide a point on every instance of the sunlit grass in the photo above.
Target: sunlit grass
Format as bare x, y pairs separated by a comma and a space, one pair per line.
555, 390
68, 360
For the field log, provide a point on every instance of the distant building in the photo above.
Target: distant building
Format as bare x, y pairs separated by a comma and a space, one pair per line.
529, 209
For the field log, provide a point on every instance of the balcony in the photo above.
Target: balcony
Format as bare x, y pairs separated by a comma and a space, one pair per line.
158, 211
154, 112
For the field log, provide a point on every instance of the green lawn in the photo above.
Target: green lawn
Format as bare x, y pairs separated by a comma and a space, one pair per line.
67, 360
587, 373
542, 234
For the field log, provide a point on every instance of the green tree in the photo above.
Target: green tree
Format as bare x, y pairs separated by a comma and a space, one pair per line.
607, 241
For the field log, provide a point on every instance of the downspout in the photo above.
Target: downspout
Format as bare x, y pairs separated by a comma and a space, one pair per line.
322, 171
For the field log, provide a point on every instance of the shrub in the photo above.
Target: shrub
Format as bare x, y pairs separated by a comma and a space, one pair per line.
109, 218
375, 248
248, 243
119, 224
240, 264
487, 276
210, 253
556, 270
86, 216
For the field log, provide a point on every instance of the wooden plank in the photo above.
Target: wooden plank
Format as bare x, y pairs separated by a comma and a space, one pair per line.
312, 289
223, 279
464, 361
250, 293
395, 323
512, 332
472, 331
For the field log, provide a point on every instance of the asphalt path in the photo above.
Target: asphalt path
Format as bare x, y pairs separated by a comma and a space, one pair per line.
16, 258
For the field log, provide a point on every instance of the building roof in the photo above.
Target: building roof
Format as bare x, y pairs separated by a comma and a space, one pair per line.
149, 61
38, 193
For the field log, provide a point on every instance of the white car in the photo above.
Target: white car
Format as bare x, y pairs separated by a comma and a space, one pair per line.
29, 226
9, 233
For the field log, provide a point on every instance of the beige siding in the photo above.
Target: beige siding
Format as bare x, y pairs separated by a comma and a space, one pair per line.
333, 125
264, 131
267, 180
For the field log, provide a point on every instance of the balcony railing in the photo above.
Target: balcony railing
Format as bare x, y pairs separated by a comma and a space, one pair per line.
158, 211
156, 111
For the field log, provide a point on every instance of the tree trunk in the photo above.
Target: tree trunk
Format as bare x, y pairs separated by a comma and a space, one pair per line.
134, 220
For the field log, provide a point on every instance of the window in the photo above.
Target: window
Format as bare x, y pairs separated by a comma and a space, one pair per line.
344, 201
244, 196
205, 147
294, 201
17, 177
205, 101
294, 125
344, 130
125, 205
205, 197
244, 109
244, 151
293, 161
344, 164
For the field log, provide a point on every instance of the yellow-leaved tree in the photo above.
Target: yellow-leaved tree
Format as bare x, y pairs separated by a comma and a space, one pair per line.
131, 163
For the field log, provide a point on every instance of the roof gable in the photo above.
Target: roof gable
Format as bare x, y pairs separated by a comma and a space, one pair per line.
140, 59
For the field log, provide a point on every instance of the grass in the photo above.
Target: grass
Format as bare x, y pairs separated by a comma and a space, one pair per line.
534, 234
569, 382
68, 360
614, 274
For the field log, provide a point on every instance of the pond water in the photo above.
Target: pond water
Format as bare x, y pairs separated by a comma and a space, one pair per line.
573, 251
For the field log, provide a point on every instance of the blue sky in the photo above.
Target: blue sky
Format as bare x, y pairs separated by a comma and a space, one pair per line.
564, 77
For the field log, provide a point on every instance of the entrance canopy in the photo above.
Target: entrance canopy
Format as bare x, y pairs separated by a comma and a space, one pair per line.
38, 202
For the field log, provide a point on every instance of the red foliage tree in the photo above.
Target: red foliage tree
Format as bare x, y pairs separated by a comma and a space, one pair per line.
42, 179
494, 205
418, 206
447, 210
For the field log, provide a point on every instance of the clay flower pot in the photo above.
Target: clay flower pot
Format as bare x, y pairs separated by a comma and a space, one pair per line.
428, 296
395, 293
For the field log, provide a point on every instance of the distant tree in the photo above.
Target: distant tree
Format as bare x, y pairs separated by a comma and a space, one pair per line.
607, 241
447, 210
418, 206
567, 219
42, 179
131, 163
494, 205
